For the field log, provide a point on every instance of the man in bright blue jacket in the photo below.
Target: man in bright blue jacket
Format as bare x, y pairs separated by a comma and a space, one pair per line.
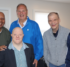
32, 34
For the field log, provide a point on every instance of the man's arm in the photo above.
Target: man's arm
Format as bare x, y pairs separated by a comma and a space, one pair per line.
8, 38
3, 47
38, 45
45, 49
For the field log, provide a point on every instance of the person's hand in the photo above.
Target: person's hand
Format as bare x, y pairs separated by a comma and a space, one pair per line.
3, 47
35, 62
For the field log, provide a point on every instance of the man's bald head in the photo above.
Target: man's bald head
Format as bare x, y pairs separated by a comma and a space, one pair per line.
1, 13
2, 20
17, 29
21, 5
17, 35
52, 13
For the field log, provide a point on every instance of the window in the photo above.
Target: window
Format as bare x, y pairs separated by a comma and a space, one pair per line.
42, 19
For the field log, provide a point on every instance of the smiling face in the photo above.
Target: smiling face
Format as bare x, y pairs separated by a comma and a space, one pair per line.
2, 20
17, 35
54, 21
22, 12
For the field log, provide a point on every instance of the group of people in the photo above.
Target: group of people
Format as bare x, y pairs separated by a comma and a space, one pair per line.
24, 46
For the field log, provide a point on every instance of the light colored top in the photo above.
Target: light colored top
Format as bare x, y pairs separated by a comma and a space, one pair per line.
23, 23
55, 48
19, 55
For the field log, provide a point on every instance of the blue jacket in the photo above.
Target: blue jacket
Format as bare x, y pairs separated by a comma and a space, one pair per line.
32, 35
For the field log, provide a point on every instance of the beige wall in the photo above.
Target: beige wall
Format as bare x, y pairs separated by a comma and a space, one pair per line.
62, 8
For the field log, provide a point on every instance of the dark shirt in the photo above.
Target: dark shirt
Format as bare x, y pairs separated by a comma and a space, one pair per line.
55, 34
68, 53
8, 59
5, 37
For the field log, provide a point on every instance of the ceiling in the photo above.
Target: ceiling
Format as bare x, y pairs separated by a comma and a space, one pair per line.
62, 1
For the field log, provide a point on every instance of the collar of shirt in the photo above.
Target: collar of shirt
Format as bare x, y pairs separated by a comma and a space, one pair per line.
23, 23
55, 34
12, 47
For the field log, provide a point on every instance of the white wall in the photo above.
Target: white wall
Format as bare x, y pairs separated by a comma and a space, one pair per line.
62, 8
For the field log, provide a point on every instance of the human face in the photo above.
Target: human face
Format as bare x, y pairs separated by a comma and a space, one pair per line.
2, 20
17, 36
22, 13
54, 22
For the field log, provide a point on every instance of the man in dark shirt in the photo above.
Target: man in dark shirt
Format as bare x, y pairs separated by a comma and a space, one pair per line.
5, 36
17, 54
